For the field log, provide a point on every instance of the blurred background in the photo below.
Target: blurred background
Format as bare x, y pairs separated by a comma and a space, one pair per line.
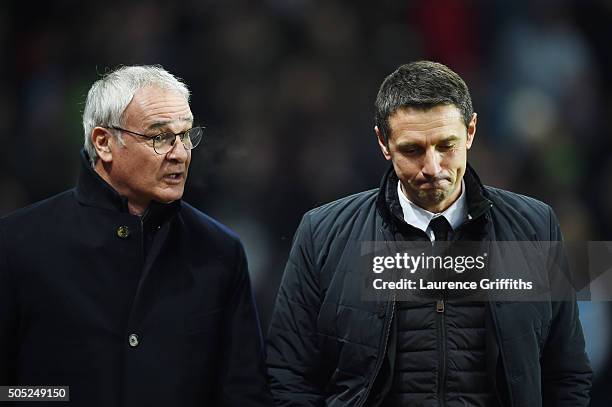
286, 90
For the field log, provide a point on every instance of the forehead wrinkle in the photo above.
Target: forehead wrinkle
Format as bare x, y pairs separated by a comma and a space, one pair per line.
153, 108
419, 128
163, 117
422, 126
421, 120
162, 123
153, 103
439, 133
167, 110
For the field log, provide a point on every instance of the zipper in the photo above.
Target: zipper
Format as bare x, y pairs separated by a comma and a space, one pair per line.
382, 355
440, 310
501, 353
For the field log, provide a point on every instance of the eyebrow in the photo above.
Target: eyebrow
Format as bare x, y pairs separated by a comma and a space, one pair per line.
407, 144
450, 138
163, 123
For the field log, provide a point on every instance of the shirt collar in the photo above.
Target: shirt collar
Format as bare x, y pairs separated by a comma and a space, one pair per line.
418, 217
391, 213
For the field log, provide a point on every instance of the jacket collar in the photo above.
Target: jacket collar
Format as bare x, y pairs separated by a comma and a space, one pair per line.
92, 190
391, 211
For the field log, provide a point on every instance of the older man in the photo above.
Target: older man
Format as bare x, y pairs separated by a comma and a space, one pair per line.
331, 345
117, 288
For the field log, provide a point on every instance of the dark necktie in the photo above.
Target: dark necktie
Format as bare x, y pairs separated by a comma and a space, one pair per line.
441, 228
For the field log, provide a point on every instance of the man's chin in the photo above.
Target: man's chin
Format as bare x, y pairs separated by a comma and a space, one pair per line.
168, 197
166, 202
431, 199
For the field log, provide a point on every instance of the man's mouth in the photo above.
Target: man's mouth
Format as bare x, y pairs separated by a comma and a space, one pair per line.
433, 184
174, 177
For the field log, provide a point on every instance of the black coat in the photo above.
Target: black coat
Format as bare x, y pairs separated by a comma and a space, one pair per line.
327, 346
79, 275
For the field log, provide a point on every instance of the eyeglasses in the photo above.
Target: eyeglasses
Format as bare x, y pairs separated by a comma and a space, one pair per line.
163, 142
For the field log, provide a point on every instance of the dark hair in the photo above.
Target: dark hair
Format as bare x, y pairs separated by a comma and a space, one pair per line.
421, 85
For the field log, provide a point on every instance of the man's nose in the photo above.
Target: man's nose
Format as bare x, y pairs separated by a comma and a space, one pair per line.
178, 151
431, 163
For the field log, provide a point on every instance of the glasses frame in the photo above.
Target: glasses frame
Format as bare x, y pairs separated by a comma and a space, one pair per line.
180, 135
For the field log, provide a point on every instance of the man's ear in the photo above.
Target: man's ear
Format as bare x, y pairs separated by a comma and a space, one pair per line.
471, 131
382, 143
101, 140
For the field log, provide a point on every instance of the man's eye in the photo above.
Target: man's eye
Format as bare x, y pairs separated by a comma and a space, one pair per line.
445, 147
164, 137
410, 150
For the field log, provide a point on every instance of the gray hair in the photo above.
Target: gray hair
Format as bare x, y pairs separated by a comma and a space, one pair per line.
109, 97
